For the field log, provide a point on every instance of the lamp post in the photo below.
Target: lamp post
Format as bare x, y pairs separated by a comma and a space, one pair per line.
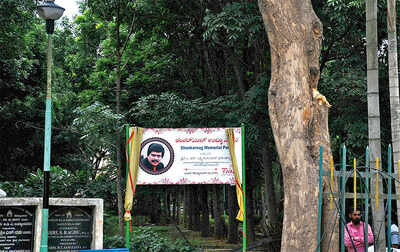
50, 12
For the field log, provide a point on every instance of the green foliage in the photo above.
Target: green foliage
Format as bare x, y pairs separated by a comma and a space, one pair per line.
236, 22
171, 110
63, 183
97, 123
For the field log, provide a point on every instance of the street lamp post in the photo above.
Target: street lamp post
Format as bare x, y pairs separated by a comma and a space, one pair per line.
50, 12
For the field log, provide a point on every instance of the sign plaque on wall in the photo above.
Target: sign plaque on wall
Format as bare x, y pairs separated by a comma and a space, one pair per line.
70, 228
16, 228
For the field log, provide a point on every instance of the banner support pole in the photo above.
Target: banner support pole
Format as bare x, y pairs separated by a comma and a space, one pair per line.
127, 234
244, 190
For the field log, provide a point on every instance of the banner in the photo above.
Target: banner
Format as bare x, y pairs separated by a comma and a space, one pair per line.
173, 156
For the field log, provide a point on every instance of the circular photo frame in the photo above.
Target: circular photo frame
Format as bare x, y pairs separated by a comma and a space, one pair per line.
158, 166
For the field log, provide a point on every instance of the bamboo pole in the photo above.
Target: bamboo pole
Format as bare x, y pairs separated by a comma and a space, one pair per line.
244, 191
355, 184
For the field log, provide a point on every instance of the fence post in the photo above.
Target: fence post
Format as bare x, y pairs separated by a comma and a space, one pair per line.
366, 197
321, 153
342, 198
389, 200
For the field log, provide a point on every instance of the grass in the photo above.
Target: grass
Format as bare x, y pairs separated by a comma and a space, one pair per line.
194, 237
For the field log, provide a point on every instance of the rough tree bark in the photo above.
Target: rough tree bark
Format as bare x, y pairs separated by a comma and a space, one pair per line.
394, 89
299, 117
374, 130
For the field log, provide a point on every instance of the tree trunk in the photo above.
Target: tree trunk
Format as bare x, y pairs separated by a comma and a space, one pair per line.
186, 205
196, 207
118, 140
269, 190
155, 211
299, 116
218, 213
394, 89
175, 196
233, 208
205, 214
250, 225
167, 205
190, 224
374, 131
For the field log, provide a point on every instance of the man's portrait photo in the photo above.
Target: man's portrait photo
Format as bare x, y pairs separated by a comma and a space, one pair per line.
156, 156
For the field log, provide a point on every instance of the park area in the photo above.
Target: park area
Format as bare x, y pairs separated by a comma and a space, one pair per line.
176, 126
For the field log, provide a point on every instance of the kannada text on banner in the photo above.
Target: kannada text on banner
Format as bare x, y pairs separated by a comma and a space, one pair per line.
188, 156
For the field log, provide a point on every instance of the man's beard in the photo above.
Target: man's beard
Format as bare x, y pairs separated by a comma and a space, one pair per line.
356, 221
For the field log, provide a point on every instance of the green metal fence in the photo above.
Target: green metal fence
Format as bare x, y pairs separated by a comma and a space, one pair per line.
360, 178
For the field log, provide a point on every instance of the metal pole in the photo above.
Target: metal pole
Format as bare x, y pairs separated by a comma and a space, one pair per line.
244, 190
127, 234
321, 153
389, 200
47, 152
366, 198
342, 198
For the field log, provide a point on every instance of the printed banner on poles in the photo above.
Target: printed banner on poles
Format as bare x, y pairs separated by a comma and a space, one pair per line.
172, 156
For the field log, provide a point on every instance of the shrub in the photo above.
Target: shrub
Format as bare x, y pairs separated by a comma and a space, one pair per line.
147, 240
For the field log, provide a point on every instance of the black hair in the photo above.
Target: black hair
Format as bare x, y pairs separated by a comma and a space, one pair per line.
155, 147
351, 210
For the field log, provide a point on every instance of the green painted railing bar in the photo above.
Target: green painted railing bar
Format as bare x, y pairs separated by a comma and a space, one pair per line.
321, 153
389, 200
47, 149
127, 234
342, 199
244, 191
45, 228
366, 198
47, 135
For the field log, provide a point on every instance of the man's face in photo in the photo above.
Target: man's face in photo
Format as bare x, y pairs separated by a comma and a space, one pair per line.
355, 217
154, 158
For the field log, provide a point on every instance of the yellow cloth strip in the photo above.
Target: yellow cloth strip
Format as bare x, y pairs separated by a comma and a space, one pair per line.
377, 184
131, 180
355, 184
239, 193
331, 186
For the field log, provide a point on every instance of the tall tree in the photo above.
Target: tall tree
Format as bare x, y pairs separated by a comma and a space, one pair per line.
374, 128
115, 12
394, 87
298, 114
